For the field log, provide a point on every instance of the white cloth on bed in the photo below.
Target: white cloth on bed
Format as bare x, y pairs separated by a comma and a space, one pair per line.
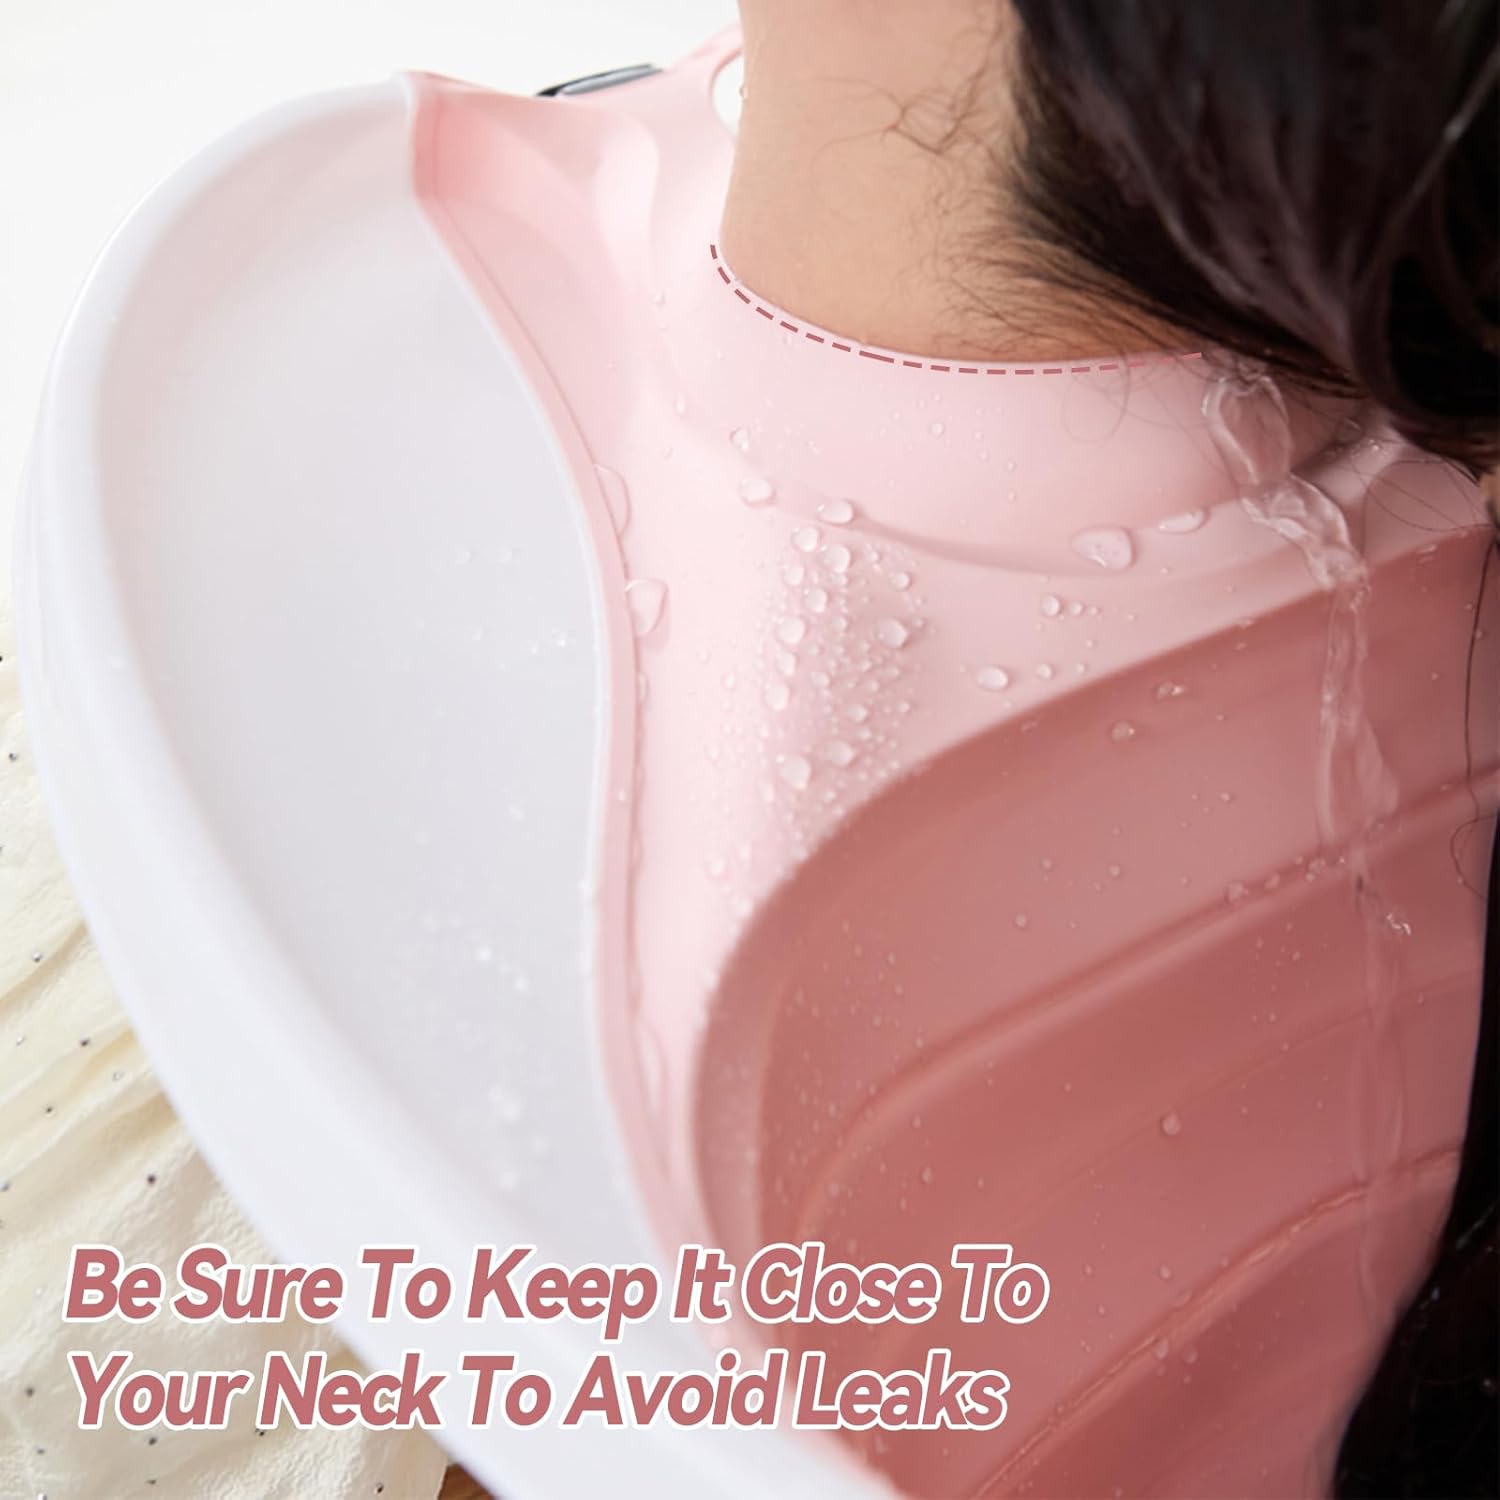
90, 1150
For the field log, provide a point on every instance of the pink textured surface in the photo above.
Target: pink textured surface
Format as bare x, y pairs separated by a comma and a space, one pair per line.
957, 886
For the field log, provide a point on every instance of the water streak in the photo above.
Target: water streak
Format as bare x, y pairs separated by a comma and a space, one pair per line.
1355, 790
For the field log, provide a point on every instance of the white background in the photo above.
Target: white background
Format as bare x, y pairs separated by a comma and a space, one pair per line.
99, 99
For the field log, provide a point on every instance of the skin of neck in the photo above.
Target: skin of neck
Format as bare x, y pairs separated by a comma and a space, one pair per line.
868, 193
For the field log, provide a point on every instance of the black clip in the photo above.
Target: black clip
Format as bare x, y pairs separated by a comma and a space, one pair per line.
595, 81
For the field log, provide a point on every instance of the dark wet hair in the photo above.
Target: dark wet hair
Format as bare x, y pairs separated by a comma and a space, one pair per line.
1312, 184
1308, 182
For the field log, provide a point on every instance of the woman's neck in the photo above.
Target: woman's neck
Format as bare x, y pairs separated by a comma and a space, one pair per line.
868, 192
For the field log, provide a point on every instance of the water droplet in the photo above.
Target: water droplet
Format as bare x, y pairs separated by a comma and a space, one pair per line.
1189, 520
1171, 1123
1236, 890
837, 557
778, 695
1021, 920
900, 580
647, 598
837, 512
1106, 547
1046, 671
838, 753
805, 538
992, 679
1124, 730
928, 1175
892, 633
616, 496
795, 770
1051, 606
816, 599
680, 405
791, 630
1161, 1349
1167, 690
936, 429
1165, 1272
740, 437
507, 1106
757, 491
